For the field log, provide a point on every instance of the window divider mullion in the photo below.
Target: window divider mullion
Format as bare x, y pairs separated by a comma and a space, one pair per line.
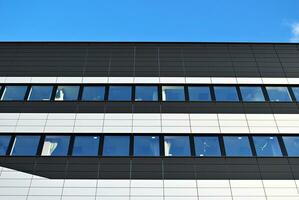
40, 145
251, 143
162, 148
221, 143
10, 145
71, 145
54, 89
26, 96
282, 146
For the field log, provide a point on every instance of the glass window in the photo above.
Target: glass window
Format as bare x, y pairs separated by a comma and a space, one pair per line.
278, 94
296, 92
116, 146
292, 145
86, 146
14, 93
251, 93
40, 93
207, 146
56, 145
4, 142
266, 146
25, 145
226, 93
93, 93
173, 93
199, 93
177, 146
237, 146
146, 146
67, 93
146, 93
120, 93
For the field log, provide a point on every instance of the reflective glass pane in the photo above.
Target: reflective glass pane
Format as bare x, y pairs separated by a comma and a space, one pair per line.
93, 93
116, 146
55, 145
86, 146
40, 93
146, 93
4, 142
237, 146
177, 146
120, 93
67, 93
173, 93
250, 93
296, 92
25, 145
14, 93
266, 146
207, 146
146, 146
292, 145
199, 93
226, 93
278, 94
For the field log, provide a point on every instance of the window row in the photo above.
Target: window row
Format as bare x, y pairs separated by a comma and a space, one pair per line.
228, 93
150, 145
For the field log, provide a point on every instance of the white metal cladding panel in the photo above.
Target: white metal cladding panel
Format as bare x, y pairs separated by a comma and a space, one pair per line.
148, 123
152, 80
19, 185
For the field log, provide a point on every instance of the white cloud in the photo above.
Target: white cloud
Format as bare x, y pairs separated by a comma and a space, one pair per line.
295, 32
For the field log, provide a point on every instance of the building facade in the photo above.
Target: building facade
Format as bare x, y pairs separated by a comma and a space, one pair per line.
149, 121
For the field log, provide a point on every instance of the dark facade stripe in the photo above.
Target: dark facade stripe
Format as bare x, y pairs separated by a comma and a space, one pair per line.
156, 168
149, 59
148, 107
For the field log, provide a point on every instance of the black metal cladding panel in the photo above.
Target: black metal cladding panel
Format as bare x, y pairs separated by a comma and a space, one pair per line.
149, 59
155, 168
149, 107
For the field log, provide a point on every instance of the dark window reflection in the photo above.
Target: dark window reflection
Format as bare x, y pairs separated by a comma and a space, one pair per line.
93, 93
4, 142
177, 146
86, 146
120, 93
237, 146
199, 93
146, 146
67, 93
250, 93
40, 93
55, 145
207, 146
25, 145
267, 146
226, 93
116, 146
146, 93
292, 145
279, 94
173, 93
14, 93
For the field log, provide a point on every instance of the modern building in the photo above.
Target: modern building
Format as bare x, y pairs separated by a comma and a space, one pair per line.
149, 121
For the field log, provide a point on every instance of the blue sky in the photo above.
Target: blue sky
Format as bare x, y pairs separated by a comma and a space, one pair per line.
150, 20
